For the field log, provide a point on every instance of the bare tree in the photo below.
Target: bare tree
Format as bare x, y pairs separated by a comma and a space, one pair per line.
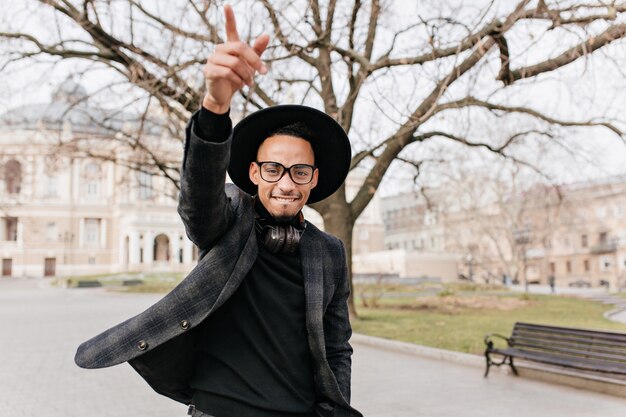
498, 218
396, 78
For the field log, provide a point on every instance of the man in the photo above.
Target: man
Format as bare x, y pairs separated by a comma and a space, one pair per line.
260, 327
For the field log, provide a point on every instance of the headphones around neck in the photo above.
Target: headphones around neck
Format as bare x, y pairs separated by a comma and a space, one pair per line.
279, 238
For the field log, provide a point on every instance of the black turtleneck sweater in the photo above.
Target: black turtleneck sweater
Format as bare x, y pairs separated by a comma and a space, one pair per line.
253, 358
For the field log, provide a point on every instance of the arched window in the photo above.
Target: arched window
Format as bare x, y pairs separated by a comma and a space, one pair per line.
13, 177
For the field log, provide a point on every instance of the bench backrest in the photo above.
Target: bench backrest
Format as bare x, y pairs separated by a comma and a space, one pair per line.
575, 344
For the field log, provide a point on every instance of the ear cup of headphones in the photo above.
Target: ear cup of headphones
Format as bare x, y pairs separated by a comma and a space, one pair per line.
292, 239
274, 239
280, 238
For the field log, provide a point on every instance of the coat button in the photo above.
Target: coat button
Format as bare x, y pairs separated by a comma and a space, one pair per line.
184, 324
142, 345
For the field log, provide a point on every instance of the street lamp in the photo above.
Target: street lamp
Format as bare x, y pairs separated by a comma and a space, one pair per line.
522, 238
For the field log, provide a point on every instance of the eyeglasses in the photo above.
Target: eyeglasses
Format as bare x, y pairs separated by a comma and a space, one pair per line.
300, 174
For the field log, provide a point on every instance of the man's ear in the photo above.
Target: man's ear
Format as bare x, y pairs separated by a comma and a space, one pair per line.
253, 173
316, 174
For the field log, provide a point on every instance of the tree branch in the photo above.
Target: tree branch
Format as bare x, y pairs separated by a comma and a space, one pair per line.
212, 38
292, 48
472, 101
583, 49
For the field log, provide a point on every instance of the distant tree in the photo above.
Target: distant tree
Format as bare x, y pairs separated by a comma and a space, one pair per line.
496, 218
397, 77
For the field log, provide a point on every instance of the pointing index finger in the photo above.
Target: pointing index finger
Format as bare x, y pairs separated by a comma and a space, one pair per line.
231, 24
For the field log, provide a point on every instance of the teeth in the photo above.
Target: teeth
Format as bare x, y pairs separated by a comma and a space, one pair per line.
285, 199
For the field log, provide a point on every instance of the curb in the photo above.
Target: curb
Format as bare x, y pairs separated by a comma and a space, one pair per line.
611, 313
419, 350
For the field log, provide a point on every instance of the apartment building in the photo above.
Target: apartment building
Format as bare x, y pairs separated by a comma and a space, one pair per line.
576, 233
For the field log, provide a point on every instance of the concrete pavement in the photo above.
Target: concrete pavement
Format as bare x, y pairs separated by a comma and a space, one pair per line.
41, 328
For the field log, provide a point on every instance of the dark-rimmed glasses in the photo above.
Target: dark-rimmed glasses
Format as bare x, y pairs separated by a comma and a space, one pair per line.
300, 174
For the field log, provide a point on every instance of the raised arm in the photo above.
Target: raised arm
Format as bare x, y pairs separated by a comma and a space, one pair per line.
203, 205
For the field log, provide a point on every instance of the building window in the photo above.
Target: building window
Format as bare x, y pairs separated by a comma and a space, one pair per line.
92, 232
92, 189
92, 177
144, 186
92, 260
603, 238
13, 177
605, 263
583, 241
552, 268
51, 232
52, 186
10, 229
586, 265
568, 266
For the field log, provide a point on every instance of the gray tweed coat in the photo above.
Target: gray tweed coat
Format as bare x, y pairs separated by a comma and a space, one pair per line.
219, 219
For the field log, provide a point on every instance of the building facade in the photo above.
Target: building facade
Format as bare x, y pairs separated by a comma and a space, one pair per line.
66, 211
574, 233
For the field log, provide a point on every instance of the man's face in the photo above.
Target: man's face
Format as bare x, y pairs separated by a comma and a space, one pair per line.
283, 199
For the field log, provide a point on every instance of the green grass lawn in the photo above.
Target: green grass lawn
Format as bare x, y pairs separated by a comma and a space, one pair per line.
452, 316
147, 282
460, 322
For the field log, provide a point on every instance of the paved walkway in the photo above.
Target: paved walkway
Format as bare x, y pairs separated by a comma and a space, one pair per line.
41, 328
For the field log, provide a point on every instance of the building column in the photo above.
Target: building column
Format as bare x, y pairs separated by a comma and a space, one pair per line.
187, 251
81, 233
103, 233
134, 247
75, 179
20, 232
148, 248
110, 181
174, 248
121, 253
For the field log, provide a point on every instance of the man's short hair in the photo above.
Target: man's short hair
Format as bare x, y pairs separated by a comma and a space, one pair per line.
298, 130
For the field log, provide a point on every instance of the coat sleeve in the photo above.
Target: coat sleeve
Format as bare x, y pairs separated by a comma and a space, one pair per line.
203, 205
337, 330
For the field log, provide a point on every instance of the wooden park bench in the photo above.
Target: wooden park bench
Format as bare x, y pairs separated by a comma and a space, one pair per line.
585, 350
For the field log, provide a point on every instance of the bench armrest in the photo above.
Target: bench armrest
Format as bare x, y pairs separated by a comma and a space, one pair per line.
489, 342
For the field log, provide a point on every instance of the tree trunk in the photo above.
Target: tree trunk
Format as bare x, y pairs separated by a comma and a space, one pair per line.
338, 222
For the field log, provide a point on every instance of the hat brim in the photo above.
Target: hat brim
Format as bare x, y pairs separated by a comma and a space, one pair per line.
331, 142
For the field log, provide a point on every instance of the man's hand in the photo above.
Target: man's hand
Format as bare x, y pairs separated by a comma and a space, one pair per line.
232, 65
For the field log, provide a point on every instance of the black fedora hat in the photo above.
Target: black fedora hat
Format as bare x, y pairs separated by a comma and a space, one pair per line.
332, 146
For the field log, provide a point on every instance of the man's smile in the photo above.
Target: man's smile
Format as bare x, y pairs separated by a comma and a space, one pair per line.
285, 199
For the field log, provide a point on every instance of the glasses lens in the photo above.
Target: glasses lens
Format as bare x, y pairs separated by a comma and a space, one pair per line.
301, 174
271, 171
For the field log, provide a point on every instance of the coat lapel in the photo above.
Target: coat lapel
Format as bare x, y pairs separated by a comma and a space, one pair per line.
313, 273
312, 253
